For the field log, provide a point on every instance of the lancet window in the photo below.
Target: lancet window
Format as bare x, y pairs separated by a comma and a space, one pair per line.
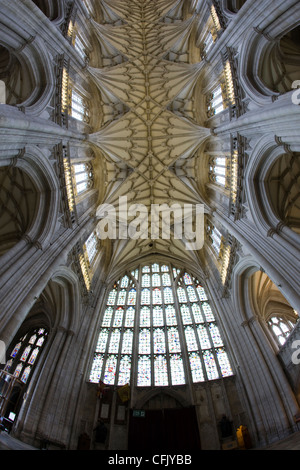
219, 170
91, 247
79, 107
82, 177
160, 331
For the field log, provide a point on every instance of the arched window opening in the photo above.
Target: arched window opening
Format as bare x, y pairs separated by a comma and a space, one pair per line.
215, 238
82, 177
79, 107
91, 247
219, 170
161, 331
25, 354
223, 95
281, 328
216, 101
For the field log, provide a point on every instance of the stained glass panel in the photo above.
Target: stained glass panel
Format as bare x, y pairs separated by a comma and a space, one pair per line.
210, 365
131, 297
124, 282
145, 317
181, 295
158, 317
96, 370
174, 340
144, 341
112, 297
146, 269
25, 374
164, 268
32, 339
127, 342
190, 339
145, 280
107, 316
203, 337
166, 280
160, 371
215, 335
110, 370
201, 293
102, 341
196, 367
185, 315
114, 341
40, 341
33, 356
155, 268
25, 353
187, 279
15, 350
18, 369
198, 318
170, 315
118, 319
155, 280
156, 296
144, 371
191, 294
124, 370
129, 319
122, 297
145, 297
177, 370
159, 342
224, 362
168, 295
208, 312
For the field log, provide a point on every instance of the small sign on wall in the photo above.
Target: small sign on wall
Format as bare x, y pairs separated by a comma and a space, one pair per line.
139, 413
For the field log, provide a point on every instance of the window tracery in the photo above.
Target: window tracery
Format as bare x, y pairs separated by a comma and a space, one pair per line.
25, 353
173, 325
280, 328
82, 177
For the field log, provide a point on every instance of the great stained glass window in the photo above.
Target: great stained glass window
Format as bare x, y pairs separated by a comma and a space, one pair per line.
159, 329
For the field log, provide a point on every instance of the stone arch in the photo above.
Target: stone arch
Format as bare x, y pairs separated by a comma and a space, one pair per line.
168, 398
273, 187
53, 9
283, 62
26, 70
62, 292
260, 54
19, 201
30, 199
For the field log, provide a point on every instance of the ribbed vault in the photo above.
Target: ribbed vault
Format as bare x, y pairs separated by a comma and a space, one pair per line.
150, 140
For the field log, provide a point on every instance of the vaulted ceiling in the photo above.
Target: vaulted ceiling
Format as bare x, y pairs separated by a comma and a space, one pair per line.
150, 137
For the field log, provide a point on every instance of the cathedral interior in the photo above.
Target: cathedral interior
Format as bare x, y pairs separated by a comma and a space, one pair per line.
121, 334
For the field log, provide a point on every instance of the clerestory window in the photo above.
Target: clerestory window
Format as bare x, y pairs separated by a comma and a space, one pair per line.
158, 329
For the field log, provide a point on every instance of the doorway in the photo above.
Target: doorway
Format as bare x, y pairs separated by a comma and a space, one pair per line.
173, 429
